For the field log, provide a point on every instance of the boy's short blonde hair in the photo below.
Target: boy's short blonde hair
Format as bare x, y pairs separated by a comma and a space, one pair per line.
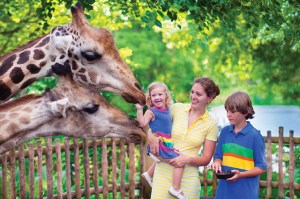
240, 102
155, 85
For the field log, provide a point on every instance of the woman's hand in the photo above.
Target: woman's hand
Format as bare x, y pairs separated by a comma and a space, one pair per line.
153, 143
180, 161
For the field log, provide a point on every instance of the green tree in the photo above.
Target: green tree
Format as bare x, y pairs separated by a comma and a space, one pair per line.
243, 45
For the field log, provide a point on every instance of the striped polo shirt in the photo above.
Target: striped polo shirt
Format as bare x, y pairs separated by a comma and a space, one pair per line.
241, 151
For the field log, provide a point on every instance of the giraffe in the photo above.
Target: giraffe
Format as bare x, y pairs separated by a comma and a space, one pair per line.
68, 110
88, 53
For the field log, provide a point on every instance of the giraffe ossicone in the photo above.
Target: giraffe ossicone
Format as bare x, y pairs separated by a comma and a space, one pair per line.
88, 53
69, 110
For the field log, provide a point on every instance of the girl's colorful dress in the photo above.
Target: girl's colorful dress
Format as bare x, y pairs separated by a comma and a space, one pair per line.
161, 126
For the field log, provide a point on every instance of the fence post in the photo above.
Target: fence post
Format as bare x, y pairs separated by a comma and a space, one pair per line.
22, 172
122, 167
142, 165
292, 165
280, 160
68, 168
40, 168
86, 165
77, 169
269, 162
4, 175
104, 169
58, 168
12, 158
95, 168
131, 171
49, 167
31, 170
114, 168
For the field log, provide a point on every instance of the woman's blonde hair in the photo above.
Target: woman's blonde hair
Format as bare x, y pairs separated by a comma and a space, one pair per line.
155, 85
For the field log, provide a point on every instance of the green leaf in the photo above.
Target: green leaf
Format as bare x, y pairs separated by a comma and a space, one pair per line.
145, 19
158, 23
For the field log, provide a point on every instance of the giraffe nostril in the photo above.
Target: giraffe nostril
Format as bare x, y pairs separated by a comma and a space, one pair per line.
138, 86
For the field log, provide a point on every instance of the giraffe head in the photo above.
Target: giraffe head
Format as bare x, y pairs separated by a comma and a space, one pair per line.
91, 56
97, 119
69, 109
88, 114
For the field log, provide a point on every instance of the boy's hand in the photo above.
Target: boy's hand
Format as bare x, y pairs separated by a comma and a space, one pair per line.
236, 176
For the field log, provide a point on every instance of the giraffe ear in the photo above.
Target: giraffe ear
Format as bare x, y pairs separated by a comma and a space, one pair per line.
59, 106
78, 15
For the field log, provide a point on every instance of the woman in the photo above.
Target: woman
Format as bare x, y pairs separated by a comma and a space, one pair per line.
192, 129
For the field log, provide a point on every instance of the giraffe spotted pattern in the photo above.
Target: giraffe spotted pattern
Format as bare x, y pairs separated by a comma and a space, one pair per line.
23, 57
34, 69
7, 64
16, 75
4, 90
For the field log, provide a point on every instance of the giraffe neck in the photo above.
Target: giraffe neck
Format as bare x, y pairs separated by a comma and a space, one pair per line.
34, 60
21, 114
28, 112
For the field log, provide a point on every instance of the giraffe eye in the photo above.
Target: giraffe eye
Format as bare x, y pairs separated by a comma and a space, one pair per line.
91, 108
91, 56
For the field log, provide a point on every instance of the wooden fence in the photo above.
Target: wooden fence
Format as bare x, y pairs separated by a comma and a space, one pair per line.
111, 168
76, 170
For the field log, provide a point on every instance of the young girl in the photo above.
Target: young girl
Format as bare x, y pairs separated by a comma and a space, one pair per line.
241, 149
158, 117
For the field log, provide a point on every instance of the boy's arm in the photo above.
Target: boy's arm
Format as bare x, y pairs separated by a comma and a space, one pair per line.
246, 174
252, 172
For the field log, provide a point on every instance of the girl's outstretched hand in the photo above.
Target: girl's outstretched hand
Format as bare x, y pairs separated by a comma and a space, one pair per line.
139, 107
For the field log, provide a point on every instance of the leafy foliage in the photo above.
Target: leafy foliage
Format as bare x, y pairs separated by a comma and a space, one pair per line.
242, 45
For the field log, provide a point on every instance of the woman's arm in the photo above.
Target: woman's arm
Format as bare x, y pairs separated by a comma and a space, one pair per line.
203, 160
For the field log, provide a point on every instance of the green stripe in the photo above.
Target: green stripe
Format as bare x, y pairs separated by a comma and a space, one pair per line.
238, 150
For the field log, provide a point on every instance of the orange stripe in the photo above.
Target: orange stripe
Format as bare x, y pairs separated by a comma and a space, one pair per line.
238, 156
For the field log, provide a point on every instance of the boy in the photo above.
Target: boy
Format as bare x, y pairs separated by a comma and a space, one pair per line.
241, 149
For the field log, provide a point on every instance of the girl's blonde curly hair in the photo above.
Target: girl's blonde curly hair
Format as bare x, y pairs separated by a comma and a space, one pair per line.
155, 85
